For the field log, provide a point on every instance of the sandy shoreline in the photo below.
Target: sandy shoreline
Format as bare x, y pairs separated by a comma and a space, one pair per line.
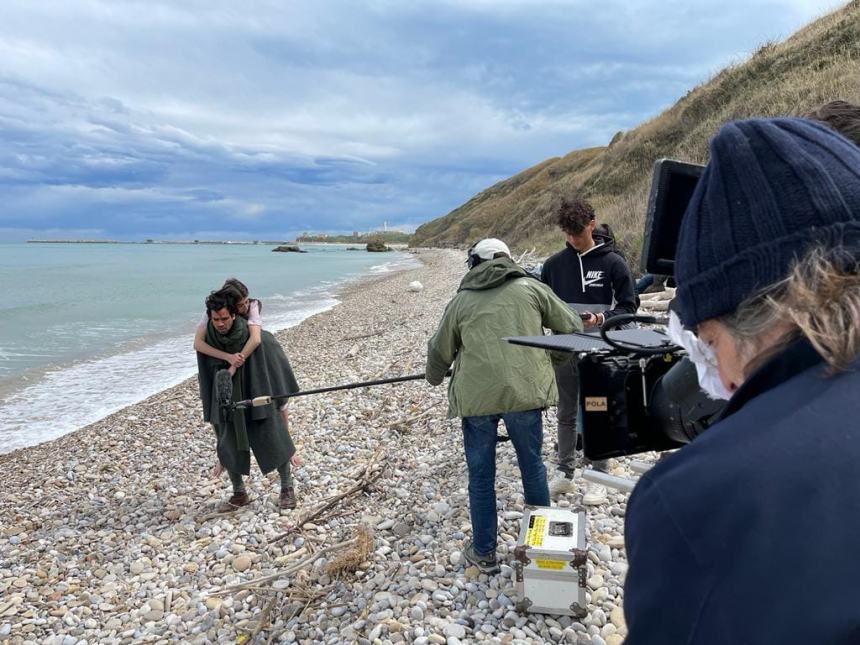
107, 535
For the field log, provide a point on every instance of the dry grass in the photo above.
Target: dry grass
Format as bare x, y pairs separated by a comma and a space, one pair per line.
819, 63
350, 559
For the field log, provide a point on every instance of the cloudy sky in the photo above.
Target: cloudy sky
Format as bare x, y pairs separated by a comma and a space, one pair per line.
262, 118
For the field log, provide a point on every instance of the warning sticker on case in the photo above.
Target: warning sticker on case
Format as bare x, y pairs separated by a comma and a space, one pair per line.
550, 564
534, 535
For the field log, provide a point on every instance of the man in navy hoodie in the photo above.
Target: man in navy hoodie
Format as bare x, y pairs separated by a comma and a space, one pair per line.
749, 535
588, 271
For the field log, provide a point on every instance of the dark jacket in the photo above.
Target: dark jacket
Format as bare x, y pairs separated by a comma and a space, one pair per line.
599, 276
750, 534
491, 376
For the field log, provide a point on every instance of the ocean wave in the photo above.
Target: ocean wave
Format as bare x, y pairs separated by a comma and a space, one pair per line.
397, 264
70, 397
59, 400
67, 398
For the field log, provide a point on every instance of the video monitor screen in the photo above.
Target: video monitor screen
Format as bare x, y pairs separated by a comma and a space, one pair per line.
672, 187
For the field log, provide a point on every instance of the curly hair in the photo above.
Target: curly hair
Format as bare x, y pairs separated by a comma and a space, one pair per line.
218, 300
574, 214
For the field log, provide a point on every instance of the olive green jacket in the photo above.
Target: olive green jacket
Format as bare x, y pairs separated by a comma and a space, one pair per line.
491, 376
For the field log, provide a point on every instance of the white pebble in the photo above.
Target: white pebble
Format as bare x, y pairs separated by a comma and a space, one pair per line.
454, 629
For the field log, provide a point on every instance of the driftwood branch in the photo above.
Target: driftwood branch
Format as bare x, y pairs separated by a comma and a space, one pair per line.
351, 553
402, 423
372, 472
360, 336
301, 564
264, 618
525, 256
211, 516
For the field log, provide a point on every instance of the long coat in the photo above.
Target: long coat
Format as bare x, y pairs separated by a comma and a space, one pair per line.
260, 430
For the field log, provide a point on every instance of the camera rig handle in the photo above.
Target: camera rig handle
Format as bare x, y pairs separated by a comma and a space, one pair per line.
631, 347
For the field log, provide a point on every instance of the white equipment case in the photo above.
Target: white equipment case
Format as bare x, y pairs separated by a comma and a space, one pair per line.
550, 562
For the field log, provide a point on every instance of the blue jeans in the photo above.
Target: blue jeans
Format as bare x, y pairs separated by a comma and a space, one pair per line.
479, 440
644, 282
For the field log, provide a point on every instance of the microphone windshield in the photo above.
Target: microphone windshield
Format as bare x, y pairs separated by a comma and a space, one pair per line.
224, 387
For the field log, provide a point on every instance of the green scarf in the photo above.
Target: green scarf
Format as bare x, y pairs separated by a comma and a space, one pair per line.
232, 342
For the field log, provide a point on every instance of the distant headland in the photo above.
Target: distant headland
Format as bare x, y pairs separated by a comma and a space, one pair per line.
388, 237
242, 242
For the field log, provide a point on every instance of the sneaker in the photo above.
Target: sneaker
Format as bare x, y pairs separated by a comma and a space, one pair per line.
601, 465
236, 501
484, 563
561, 484
287, 498
595, 495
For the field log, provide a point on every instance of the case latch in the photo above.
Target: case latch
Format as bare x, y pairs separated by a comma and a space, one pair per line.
580, 557
523, 605
520, 555
577, 610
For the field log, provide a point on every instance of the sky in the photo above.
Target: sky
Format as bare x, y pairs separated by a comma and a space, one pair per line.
260, 119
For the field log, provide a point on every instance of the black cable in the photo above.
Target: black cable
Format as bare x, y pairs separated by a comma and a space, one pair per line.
629, 346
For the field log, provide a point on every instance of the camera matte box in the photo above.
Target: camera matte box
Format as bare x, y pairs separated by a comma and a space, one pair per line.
616, 415
550, 562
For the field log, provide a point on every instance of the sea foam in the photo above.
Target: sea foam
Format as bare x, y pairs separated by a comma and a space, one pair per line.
72, 396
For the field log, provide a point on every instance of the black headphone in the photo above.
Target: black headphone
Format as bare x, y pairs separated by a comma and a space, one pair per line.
472, 258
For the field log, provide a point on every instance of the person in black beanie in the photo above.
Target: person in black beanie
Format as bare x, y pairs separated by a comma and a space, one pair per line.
750, 533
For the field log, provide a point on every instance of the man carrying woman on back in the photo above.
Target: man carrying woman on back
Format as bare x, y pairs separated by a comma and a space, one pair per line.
257, 366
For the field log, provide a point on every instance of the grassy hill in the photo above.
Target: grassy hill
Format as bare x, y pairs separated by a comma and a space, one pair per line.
819, 63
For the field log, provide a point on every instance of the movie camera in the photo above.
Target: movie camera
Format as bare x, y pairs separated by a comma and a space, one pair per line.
638, 391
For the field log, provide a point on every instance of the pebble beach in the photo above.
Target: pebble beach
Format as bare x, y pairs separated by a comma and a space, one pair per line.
109, 535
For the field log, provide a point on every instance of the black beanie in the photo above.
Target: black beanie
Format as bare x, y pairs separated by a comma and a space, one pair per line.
773, 188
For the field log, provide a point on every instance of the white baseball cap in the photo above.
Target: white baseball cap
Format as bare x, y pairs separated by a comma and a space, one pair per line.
487, 248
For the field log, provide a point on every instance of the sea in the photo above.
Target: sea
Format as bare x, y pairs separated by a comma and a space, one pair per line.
89, 328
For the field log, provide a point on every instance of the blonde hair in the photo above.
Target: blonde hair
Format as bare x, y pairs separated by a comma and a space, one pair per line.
819, 300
